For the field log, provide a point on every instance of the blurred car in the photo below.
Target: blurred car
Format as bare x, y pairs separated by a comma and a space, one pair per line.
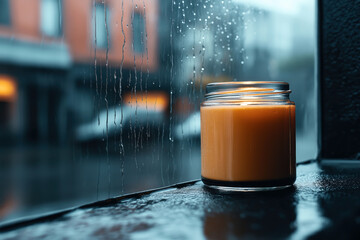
137, 109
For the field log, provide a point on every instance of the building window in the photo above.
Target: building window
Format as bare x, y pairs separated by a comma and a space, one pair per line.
4, 12
139, 33
51, 12
102, 30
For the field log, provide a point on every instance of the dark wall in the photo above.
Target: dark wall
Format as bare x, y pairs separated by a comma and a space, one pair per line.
339, 72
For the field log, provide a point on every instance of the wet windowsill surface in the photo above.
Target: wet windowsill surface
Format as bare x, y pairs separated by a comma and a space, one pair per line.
325, 203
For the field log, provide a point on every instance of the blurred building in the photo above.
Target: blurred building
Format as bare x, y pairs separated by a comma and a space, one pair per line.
46, 46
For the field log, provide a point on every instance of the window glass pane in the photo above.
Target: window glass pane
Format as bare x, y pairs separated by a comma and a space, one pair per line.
81, 122
51, 17
4, 12
138, 33
101, 34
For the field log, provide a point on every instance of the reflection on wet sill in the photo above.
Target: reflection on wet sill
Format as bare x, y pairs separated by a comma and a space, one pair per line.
321, 202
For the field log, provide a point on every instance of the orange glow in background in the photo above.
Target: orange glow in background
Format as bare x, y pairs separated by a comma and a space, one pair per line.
8, 88
153, 101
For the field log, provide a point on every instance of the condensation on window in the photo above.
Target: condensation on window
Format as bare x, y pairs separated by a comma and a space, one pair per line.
111, 106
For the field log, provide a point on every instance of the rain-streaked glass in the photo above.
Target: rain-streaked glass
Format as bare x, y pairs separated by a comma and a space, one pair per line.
101, 98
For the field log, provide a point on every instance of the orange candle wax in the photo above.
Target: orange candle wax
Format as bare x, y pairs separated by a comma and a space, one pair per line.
248, 143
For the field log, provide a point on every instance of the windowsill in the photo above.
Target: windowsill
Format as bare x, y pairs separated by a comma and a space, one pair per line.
324, 201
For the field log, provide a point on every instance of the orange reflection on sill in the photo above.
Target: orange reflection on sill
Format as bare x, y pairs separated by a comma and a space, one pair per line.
152, 100
8, 88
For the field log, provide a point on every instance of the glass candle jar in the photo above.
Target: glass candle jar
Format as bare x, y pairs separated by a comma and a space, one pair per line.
248, 136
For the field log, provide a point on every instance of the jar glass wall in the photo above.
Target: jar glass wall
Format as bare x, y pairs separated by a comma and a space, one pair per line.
248, 136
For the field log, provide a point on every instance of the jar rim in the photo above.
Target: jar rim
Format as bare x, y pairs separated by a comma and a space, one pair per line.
248, 90
218, 87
